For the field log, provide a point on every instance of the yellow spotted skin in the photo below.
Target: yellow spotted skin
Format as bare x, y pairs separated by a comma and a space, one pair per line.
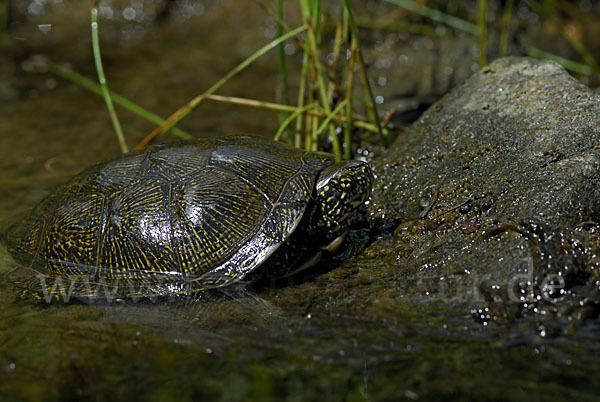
207, 211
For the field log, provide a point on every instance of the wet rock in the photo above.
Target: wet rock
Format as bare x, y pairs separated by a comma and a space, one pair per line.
493, 197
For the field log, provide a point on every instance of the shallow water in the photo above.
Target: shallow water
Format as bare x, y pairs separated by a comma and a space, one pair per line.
344, 333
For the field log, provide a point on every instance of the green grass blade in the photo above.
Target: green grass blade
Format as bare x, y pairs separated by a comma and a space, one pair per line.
566, 63
312, 43
330, 116
291, 118
282, 67
436, 15
194, 103
302, 88
401, 26
4, 9
259, 53
357, 121
506, 18
349, 99
91, 86
481, 20
371, 104
102, 80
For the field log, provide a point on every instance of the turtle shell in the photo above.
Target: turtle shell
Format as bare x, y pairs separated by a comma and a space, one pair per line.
209, 211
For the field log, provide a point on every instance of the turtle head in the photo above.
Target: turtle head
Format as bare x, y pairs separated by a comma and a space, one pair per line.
341, 189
